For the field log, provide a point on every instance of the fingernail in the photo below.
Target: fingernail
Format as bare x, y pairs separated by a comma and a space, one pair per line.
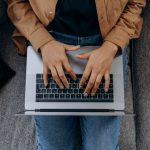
80, 86
106, 90
75, 78
67, 86
62, 87
85, 94
77, 45
46, 84
92, 94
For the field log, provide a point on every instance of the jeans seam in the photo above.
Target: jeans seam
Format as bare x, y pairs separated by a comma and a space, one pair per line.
37, 135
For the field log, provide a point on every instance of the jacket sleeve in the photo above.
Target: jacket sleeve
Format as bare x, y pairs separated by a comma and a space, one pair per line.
129, 24
27, 23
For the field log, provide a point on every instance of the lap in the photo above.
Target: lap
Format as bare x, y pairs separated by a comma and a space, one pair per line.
100, 132
55, 132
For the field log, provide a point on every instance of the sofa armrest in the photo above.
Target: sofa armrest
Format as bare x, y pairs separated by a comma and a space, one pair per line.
141, 80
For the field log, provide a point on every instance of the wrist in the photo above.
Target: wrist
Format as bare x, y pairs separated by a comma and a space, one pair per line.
111, 46
45, 45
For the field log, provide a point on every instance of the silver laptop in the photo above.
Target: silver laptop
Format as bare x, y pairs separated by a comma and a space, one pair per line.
40, 100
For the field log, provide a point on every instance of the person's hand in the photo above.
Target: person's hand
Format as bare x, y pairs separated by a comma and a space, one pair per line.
55, 59
99, 64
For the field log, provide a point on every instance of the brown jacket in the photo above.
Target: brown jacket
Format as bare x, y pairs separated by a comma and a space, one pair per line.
119, 20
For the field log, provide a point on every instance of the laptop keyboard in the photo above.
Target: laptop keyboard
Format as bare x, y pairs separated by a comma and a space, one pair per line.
52, 93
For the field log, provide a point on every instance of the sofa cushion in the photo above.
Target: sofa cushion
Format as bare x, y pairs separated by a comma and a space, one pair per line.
5, 73
141, 82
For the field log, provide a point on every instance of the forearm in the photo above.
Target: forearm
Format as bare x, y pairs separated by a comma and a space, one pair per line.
129, 24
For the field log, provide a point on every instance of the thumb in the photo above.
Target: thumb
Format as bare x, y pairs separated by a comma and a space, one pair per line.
71, 47
83, 56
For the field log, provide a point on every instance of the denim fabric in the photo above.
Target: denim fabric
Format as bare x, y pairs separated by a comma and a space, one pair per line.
93, 40
60, 132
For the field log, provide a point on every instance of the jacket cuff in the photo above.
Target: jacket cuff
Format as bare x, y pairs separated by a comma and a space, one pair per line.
118, 37
40, 37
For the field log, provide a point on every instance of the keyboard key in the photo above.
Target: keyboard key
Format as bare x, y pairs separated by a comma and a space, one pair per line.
88, 96
110, 90
52, 86
46, 96
72, 95
50, 80
81, 90
43, 90
72, 81
67, 95
78, 95
77, 80
102, 91
111, 96
39, 76
111, 76
39, 95
39, 80
74, 85
75, 90
51, 95
42, 86
100, 96
83, 97
54, 90
65, 91
95, 96
111, 86
56, 95
48, 86
105, 96
70, 90
62, 95
49, 90
60, 91
38, 90
101, 85
49, 76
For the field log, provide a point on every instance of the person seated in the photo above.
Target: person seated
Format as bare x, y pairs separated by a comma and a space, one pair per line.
46, 25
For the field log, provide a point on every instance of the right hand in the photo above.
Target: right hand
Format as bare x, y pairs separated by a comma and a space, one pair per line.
54, 59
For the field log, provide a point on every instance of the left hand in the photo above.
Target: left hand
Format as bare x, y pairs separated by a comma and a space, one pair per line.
99, 64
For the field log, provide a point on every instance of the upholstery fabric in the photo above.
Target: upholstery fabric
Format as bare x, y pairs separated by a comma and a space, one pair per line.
5, 73
141, 80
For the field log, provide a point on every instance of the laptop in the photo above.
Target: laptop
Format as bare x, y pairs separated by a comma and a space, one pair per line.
51, 100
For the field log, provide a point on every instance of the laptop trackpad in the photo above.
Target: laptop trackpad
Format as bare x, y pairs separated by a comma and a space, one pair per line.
78, 64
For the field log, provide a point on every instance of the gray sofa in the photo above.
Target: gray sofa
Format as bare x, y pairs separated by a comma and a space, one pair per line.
17, 133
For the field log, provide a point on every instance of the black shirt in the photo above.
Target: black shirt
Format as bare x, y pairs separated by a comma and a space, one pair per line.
75, 17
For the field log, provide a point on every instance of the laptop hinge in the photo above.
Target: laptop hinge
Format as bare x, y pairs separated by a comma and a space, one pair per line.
74, 110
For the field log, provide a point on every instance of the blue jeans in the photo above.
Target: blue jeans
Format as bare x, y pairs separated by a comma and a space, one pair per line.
60, 132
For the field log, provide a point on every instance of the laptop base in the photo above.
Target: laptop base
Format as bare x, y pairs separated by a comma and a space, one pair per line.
71, 112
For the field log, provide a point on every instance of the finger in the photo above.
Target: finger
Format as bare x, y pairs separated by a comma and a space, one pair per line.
85, 75
71, 47
107, 81
56, 77
83, 56
69, 69
97, 83
62, 75
45, 75
90, 83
